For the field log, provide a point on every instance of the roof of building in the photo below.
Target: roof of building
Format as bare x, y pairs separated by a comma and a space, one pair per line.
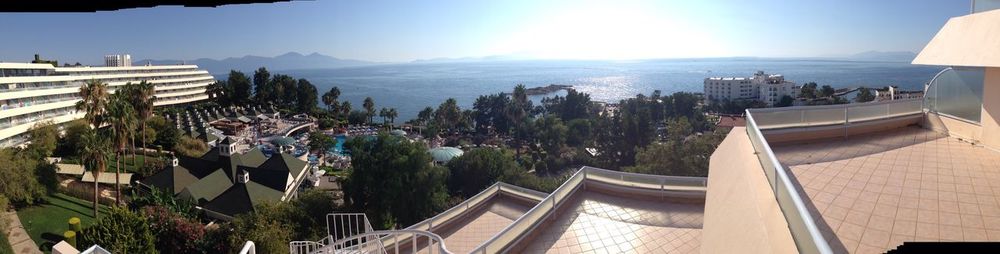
969, 40
444, 153
69, 169
210, 180
108, 178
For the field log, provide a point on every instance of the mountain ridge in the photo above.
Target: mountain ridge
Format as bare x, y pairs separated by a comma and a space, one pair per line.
249, 63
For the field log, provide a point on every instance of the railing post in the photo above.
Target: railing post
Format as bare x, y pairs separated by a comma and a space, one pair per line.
847, 119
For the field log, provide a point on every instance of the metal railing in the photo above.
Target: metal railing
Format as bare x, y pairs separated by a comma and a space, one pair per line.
801, 224
399, 241
473, 202
513, 233
833, 115
249, 248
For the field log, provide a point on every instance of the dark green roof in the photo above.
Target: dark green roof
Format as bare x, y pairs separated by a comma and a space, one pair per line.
208, 187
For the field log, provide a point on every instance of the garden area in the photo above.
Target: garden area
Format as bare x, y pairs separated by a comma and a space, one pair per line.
47, 221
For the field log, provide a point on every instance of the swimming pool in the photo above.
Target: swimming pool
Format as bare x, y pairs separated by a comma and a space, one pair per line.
339, 147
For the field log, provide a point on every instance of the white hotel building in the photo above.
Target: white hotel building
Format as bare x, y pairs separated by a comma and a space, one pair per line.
768, 88
32, 93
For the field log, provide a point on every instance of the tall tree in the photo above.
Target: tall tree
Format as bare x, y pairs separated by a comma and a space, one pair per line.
305, 96
94, 100
263, 91
865, 95
241, 87
121, 117
448, 114
94, 155
345, 109
144, 96
384, 114
425, 115
392, 115
369, 105
330, 99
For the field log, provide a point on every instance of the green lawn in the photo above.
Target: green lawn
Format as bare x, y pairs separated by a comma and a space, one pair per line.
127, 159
5, 245
46, 222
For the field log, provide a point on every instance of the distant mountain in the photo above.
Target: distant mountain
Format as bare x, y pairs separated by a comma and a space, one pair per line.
884, 56
249, 63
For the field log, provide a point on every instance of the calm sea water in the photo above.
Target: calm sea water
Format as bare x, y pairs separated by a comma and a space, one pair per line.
411, 87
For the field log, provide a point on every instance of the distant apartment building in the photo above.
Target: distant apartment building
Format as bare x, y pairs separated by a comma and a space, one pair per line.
31, 93
121, 60
894, 93
768, 88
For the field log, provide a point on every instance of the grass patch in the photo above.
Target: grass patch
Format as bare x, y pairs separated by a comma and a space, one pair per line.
5, 245
129, 166
46, 222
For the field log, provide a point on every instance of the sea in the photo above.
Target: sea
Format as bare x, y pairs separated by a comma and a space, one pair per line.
412, 86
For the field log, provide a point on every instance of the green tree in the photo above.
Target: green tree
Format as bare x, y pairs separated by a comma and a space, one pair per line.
679, 128
369, 106
477, 169
19, 184
70, 143
122, 231
220, 92
808, 90
330, 99
785, 101
827, 91
240, 84
121, 117
425, 115
319, 142
448, 115
345, 110
42, 137
142, 101
578, 132
94, 154
190, 147
393, 181
384, 114
551, 133
263, 89
865, 95
392, 114
306, 96
94, 100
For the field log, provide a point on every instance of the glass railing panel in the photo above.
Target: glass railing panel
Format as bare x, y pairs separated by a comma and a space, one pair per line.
957, 92
906, 107
780, 119
823, 116
867, 111
985, 5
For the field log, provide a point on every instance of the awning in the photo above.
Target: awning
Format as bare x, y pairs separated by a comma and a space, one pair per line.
108, 178
970, 40
69, 169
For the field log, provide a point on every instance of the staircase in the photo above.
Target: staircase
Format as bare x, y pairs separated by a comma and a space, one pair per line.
351, 233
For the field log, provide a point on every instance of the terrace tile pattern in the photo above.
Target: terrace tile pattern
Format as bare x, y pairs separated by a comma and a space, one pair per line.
600, 223
872, 192
481, 225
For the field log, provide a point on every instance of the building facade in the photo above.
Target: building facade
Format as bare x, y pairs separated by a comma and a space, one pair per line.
34, 93
123, 60
767, 88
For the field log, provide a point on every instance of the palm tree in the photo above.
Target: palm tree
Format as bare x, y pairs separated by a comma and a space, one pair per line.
369, 105
345, 110
93, 154
330, 98
94, 101
392, 115
122, 119
142, 97
384, 113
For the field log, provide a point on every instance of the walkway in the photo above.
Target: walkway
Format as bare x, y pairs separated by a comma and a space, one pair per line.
19, 239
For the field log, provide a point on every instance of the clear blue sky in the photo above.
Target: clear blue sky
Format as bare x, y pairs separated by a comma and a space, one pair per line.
405, 30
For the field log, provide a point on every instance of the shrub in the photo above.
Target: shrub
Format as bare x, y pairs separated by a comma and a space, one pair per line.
120, 231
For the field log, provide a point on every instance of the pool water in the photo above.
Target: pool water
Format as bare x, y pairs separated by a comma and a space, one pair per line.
339, 147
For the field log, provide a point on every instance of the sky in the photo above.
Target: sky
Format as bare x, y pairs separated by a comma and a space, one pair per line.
406, 30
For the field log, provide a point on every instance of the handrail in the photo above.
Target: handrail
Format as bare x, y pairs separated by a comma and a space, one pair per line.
249, 248
835, 115
809, 241
538, 214
376, 240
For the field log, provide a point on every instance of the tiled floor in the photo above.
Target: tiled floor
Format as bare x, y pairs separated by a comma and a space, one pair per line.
601, 223
875, 191
481, 225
